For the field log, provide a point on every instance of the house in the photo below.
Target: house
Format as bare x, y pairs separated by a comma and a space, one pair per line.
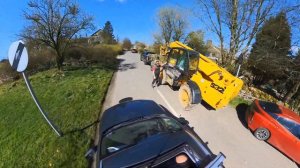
95, 38
214, 52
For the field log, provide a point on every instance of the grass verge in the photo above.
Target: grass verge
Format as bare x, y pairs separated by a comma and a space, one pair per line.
72, 100
238, 100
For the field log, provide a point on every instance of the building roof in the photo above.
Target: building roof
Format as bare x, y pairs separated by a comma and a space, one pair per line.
95, 34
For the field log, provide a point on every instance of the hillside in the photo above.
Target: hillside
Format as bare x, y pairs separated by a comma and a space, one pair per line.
72, 99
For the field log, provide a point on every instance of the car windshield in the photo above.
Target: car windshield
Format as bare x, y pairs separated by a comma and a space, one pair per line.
146, 53
136, 132
270, 107
289, 124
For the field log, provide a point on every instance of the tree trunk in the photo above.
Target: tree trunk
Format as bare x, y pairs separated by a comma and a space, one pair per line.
222, 51
291, 92
233, 31
58, 64
59, 59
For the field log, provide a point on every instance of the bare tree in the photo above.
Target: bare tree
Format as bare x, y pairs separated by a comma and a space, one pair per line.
179, 26
293, 78
165, 22
127, 44
293, 13
212, 15
241, 18
54, 23
172, 23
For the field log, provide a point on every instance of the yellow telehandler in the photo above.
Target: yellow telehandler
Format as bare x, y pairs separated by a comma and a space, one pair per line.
198, 77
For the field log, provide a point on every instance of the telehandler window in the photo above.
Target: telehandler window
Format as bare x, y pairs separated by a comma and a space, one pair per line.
182, 62
174, 55
194, 58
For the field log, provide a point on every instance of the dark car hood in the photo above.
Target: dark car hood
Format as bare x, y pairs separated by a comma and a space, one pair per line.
149, 149
128, 111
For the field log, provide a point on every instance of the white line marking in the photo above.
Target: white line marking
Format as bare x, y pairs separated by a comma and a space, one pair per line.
168, 104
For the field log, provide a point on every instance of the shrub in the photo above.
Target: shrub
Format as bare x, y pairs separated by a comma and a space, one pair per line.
112, 50
41, 59
141, 50
7, 73
105, 54
101, 54
73, 53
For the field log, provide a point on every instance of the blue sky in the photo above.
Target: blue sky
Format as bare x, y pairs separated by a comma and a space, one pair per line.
134, 19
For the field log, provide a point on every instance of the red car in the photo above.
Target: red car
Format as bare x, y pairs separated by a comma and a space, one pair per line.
277, 125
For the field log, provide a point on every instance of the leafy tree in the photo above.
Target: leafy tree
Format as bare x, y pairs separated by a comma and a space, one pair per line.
127, 43
54, 23
140, 46
269, 55
195, 40
172, 24
107, 34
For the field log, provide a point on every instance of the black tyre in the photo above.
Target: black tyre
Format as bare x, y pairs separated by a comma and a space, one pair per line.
262, 134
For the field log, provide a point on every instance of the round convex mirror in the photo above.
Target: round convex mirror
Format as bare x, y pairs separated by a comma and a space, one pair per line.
18, 56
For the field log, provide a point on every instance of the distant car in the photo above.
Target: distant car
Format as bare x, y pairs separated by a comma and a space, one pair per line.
133, 50
141, 133
146, 57
277, 125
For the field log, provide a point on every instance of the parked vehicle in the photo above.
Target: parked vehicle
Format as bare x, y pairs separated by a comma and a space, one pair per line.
142, 133
198, 77
277, 125
134, 50
147, 57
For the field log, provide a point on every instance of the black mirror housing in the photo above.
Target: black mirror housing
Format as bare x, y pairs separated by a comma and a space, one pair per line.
183, 121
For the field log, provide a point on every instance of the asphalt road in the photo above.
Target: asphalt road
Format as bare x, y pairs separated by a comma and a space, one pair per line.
222, 129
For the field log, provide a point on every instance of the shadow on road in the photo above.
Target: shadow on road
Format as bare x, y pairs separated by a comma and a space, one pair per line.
125, 67
241, 113
207, 106
120, 60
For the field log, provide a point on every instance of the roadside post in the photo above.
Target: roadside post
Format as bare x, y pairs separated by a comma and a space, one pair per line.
18, 59
240, 62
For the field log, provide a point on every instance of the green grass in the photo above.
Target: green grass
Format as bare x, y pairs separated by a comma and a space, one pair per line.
72, 100
238, 100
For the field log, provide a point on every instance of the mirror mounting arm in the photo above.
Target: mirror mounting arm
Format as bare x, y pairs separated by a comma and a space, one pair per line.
57, 131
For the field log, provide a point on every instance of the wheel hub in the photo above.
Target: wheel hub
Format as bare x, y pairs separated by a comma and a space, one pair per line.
262, 134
